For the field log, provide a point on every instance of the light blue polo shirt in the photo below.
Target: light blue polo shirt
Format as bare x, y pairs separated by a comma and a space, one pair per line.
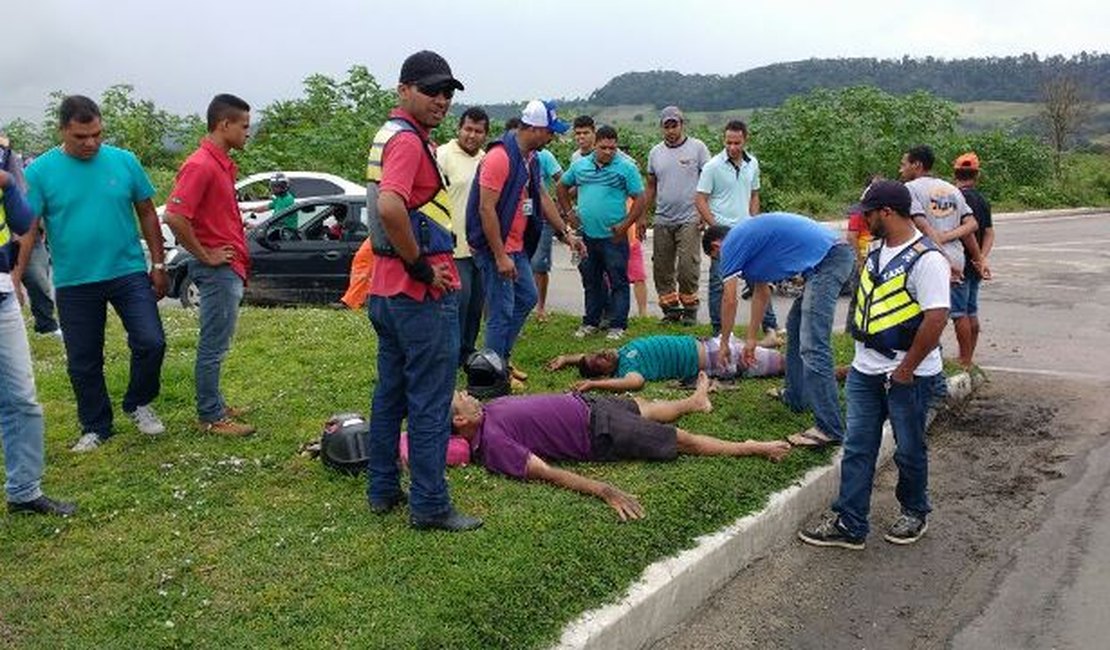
603, 192
87, 208
729, 187
775, 246
549, 167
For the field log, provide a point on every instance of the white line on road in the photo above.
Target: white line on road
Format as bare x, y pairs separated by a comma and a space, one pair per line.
1024, 221
1048, 373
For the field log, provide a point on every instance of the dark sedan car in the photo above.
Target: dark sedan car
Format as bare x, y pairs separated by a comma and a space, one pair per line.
301, 255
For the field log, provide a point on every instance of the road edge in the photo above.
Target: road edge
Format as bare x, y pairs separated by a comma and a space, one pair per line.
669, 590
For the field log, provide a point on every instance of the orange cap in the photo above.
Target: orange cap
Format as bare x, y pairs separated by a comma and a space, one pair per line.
967, 161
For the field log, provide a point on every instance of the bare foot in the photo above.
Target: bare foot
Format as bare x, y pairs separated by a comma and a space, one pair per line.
776, 450
541, 316
701, 394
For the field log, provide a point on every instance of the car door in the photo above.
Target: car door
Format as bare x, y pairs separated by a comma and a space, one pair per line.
301, 258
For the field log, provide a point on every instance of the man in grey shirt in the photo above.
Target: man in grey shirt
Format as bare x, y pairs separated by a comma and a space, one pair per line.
673, 169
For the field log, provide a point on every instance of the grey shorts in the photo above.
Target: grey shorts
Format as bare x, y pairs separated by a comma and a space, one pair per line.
619, 432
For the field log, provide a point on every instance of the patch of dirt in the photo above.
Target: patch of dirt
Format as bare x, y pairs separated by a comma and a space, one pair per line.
994, 465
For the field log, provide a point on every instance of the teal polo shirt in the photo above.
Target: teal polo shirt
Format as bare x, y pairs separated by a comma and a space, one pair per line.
603, 192
88, 210
659, 357
549, 168
729, 187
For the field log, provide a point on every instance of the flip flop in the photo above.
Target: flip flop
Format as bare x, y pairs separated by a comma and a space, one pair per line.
776, 392
811, 439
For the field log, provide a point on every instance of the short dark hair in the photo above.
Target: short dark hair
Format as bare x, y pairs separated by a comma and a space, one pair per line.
737, 125
712, 233
475, 114
513, 123
77, 108
606, 132
922, 154
584, 122
965, 174
225, 107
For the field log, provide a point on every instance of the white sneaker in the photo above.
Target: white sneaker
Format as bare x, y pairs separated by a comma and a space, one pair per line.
56, 334
146, 420
87, 442
615, 334
584, 331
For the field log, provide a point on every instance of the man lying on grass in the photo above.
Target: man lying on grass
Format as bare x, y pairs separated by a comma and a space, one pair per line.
656, 358
516, 436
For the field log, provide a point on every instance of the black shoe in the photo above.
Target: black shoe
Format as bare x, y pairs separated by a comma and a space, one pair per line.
452, 521
907, 529
830, 533
43, 505
384, 507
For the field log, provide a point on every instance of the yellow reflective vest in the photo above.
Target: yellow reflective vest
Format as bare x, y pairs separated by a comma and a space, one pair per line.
886, 316
431, 222
5, 232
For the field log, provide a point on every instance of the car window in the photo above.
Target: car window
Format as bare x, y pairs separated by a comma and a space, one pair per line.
256, 191
313, 222
303, 187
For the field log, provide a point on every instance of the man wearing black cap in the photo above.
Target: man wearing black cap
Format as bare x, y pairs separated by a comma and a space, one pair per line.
413, 299
901, 308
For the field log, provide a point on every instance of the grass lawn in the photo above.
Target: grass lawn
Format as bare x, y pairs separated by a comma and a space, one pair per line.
193, 541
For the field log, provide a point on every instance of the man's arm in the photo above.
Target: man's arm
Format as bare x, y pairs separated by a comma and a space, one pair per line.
566, 204
491, 228
395, 221
152, 233
564, 360
650, 189
927, 338
631, 381
562, 230
701, 203
753, 203
183, 232
634, 216
626, 505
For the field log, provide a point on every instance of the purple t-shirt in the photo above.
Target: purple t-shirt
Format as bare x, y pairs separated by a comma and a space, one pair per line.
553, 427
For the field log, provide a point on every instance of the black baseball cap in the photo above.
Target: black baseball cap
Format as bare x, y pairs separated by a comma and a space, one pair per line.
429, 70
886, 194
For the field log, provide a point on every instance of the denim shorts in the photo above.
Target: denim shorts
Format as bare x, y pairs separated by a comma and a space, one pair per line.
958, 296
972, 281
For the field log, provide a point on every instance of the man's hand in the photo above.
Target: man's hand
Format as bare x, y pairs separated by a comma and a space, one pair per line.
558, 363
749, 353
983, 268
626, 505
575, 243
583, 386
5, 178
505, 267
218, 256
901, 376
641, 229
620, 232
444, 280
17, 285
160, 282
724, 354
957, 275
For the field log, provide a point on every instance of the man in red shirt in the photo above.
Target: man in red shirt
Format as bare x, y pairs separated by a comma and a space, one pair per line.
203, 214
414, 300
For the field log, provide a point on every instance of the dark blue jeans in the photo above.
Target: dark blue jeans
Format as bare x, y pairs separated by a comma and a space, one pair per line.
418, 346
810, 371
605, 258
508, 302
870, 402
83, 309
471, 301
716, 291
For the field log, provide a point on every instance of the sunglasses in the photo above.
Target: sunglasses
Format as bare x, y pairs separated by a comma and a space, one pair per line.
447, 90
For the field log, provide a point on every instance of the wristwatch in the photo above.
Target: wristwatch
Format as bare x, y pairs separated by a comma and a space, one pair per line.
158, 266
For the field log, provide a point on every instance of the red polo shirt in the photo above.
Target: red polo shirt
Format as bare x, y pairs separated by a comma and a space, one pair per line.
409, 172
204, 193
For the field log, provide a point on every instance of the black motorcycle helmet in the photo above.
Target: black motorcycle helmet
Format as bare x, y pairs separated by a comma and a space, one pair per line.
279, 184
343, 443
487, 376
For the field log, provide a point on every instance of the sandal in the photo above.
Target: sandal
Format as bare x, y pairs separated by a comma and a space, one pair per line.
776, 392
811, 438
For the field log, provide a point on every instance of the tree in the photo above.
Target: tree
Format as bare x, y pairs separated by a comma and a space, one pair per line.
1066, 108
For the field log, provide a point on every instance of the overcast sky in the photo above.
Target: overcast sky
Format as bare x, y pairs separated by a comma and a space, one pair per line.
180, 54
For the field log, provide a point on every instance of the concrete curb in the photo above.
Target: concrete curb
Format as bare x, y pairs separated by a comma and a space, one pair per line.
671, 589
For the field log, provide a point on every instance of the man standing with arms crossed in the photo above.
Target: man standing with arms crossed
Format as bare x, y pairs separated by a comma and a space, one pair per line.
459, 160
87, 196
503, 223
901, 308
203, 214
674, 166
414, 300
728, 194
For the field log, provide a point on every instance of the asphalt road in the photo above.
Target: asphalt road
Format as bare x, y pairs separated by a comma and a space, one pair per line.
1018, 551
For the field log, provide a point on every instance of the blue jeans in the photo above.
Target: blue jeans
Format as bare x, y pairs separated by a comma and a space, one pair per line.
471, 301
40, 288
810, 371
221, 291
604, 257
21, 424
83, 309
717, 289
869, 404
541, 259
508, 302
418, 345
